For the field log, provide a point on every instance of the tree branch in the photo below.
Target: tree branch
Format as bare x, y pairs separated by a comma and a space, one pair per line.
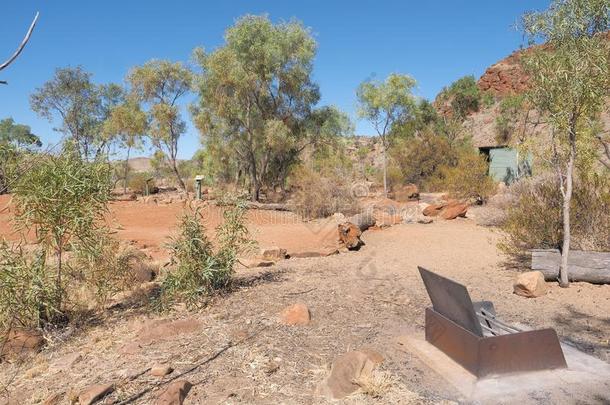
21, 46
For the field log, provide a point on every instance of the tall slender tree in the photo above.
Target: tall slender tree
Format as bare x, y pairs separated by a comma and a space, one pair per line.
387, 104
569, 81
160, 85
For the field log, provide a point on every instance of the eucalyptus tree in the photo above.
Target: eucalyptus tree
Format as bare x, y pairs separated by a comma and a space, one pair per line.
160, 85
127, 123
14, 140
387, 104
569, 82
79, 106
256, 94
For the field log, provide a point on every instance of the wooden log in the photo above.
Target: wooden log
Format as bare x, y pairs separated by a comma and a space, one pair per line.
267, 206
351, 230
592, 267
363, 220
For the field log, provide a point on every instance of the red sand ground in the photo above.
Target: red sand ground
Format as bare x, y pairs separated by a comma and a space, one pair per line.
148, 226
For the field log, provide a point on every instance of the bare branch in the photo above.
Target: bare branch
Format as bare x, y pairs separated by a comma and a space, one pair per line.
21, 46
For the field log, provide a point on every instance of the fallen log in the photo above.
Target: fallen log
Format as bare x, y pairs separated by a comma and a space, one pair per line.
591, 267
267, 206
351, 230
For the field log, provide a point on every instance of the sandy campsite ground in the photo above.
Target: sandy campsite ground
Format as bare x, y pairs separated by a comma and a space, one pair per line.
235, 351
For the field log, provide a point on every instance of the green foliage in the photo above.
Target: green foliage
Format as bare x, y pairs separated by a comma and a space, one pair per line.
16, 140
63, 199
101, 267
161, 84
535, 221
387, 103
512, 113
320, 196
464, 96
127, 123
419, 159
468, 178
199, 268
18, 135
137, 183
28, 297
256, 101
80, 105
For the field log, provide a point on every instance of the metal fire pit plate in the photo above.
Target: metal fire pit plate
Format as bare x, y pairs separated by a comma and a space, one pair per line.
472, 336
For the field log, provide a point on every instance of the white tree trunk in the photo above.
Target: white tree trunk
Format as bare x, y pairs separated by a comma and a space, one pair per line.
567, 198
385, 169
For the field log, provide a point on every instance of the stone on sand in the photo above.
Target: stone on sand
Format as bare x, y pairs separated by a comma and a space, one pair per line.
530, 284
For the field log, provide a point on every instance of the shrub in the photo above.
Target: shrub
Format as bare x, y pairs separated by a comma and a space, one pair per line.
63, 199
318, 196
101, 267
418, 159
467, 179
28, 295
137, 183
535, 220
200, 269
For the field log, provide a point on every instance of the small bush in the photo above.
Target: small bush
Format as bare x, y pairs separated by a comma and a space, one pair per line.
199, 268
467, 179
318, 196
28, 295
535, 220
137, 183
101, 267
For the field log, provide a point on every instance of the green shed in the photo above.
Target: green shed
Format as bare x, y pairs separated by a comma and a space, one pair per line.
505, 164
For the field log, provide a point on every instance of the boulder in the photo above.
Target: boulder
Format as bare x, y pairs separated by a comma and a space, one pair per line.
22, 341
346, 370
161, 370
295, 315
530, 284
454, 210
273, 253
174, 393
94, 393
433, 210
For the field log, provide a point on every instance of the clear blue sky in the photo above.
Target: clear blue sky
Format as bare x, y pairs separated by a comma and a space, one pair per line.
436, 42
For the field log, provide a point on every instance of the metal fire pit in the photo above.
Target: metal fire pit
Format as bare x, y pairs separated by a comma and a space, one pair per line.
472, 336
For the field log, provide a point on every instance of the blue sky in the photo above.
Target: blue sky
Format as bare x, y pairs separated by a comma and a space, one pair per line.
436, 42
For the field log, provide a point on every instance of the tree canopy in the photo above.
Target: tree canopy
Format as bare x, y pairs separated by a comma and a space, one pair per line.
160, 84
257, 97
80, 106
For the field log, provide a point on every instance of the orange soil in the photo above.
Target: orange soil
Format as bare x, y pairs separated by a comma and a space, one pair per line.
148, 226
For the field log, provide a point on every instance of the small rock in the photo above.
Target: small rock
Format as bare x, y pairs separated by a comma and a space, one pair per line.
174, 393
21, 341
530, 284
433, 210
295, 315
94, 393
347, 369
273, 253
161, 370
